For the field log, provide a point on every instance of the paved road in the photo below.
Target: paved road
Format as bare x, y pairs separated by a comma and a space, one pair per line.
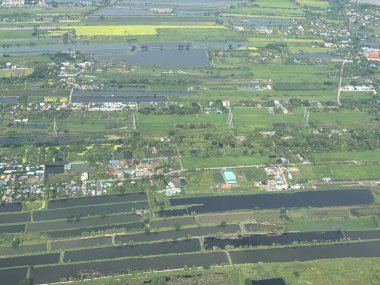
340, 82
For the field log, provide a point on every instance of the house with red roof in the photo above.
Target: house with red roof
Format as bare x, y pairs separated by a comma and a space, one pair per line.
374, 55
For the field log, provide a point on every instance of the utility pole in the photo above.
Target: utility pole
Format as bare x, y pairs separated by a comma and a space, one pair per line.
306, 116
230, 123
134, 121
55, 129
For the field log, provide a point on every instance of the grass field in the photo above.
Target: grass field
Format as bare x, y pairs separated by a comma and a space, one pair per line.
340, 171
190, 162
346, 118
249, 118
160, 125
331, 224
370, 155
352, 271
130, 30
21, 72
314, 3
348, 271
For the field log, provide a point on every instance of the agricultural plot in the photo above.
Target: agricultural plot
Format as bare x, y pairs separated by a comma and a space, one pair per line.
191, 162
82, 223
270, 201
57, 272
19, 228
258, 216
160, 125
345, 119
362, 249
11, 207
13, 275
96, 230
169, 223
278, 9
23, 249
14, 218
175, 234
370, 155
248, 119
130, 30
27, 260
81, 243
331, 224
182, 246
88, 201
84, 211
314, 3
268, 240
341, 171
307, 74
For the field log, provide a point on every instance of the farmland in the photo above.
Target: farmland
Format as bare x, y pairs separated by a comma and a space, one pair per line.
130, 30
189, 142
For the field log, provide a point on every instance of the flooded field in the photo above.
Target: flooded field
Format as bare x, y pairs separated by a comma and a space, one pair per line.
313, 56
188, 245
54, 169
181, 233
8, 100
126, 96
193, 58
22, 249
79, 232
248, 21
56, 214
14, 218
78, 243
304, 253
88, 201
183, 221
288, 238
28, 260
42, 275
13, 276
11, 207
59, 139
121, 99
12, 229
82, 223
271, 201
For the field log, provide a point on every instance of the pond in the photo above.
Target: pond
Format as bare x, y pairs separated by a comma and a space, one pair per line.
42, 275
304, 253
288, 238
193, 58
87, 201
83, 211
182, 246
316, 199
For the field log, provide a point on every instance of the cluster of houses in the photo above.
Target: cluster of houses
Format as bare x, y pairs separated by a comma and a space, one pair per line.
18, 180
372, 54
278, 178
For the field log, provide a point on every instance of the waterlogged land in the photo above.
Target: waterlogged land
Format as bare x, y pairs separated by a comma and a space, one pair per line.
119, 120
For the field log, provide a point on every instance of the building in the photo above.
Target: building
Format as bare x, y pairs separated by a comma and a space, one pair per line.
373, 55
229, 176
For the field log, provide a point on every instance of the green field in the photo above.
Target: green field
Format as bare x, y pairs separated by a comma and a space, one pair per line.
248, 119
16, 72
341, 171
331, 224
160, 125
130, 30
190, 162
370, 155
346, 118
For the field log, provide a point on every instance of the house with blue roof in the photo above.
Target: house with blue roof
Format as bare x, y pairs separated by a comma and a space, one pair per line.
229, 176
